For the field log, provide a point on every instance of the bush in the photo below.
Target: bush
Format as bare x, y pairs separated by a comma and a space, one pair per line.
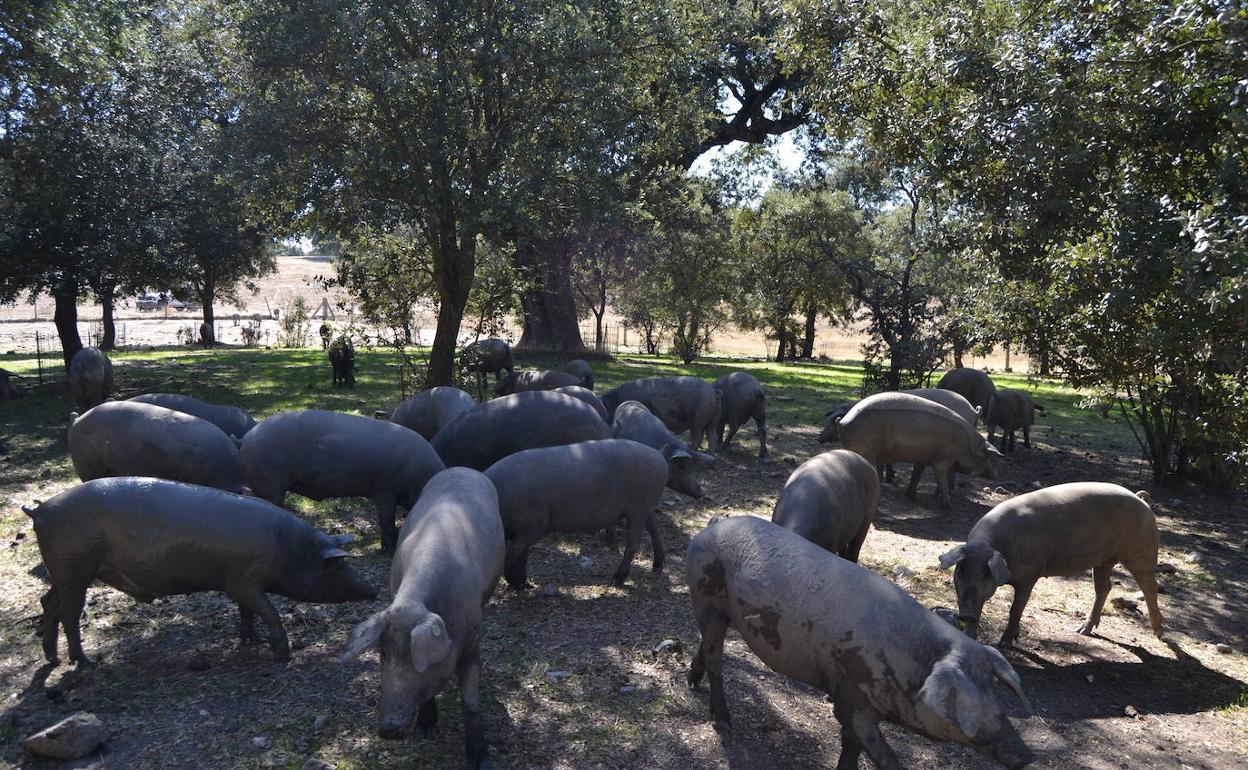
293, 324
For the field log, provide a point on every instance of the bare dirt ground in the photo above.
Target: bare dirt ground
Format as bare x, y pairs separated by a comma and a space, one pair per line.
573, 681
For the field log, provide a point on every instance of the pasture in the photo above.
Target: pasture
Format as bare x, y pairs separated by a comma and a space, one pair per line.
575, 675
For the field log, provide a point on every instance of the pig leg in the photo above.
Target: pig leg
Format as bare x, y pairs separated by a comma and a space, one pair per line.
719, 432
1101, 578
760, 422
516, 563
470, 710
732, 432
1145, 578
713, 624
49, 624
851, 551
254, 600
635, 525
427, 720
942, 485
386, 502
1022, 593
1027, 436
712, 439
656, 543
247, 626
69, 605
861, 730
915, 475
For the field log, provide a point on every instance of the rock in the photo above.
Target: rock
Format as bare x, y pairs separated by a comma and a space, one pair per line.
557, 676
203, 713
314, 763
776, 475
75, 736
1090, 678
318, 722
1125, 604
549, 591
626, 689
1223, 648
45, 474
1001, 491
987, 490
260, 742
670, 502
379, 415
1176, 503
1035, 485
586, 562
1192, 557
667, 645
1131, 712
901, 572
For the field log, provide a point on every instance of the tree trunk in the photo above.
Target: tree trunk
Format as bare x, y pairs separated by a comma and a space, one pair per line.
66, 320
957, 356
206, 297
453, 272
550, 321
109, 340
808, 344
780, 347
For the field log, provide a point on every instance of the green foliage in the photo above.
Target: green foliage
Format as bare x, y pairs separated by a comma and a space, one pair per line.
495, 294
292, 323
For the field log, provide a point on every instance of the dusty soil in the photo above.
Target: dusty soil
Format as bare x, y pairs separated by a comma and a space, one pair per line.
177, 689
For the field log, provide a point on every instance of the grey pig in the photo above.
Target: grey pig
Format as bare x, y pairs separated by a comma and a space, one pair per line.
230, 419
1061, 530
150, 537
973, 385
946, 398
682, 403
586, 395
518, 382
831, 500
131, 438
580, 369
741, 398
448, 561
90, 378
321, 454
876, 652
487, 356
492, 430
584, 487
633, 421
1010, 410
429, 411
896, 427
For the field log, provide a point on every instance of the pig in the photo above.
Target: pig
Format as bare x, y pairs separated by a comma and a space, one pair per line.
449, 558
518, 382
972, 384
342, 360
847, 631
831, 501
633, 421
741, 398
206, 336
130, 438
90, 378
492, 430
321, 454
230, 419
946, 398
897, 427
1010, 410
682, 403
150, 537
581, 369
586, 395
584, 487
428, 412
488, 356
1060, 530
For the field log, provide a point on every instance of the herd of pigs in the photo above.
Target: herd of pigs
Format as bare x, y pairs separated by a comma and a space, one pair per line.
181, 496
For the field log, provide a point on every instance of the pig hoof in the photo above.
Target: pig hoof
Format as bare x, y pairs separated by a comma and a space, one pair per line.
83, 662
723, 727
1086, 629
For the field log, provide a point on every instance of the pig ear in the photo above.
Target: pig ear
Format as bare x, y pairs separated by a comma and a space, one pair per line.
342, 539
992, 450
430, 642
1002, 670
238, 443
953, 556
1000, 570
704, 457
951, 695
671, 451
334, 553
365, 636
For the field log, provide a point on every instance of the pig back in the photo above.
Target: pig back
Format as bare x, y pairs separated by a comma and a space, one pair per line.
231, 420
975, 386
829, 498
812, 615
492, 430
152, 537
1069, 528
451, 547
897, 427
427, 412
125, 438
949, 399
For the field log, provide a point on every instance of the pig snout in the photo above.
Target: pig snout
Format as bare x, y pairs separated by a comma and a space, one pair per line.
1010, 751
392, 730
680, 478
970, 625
